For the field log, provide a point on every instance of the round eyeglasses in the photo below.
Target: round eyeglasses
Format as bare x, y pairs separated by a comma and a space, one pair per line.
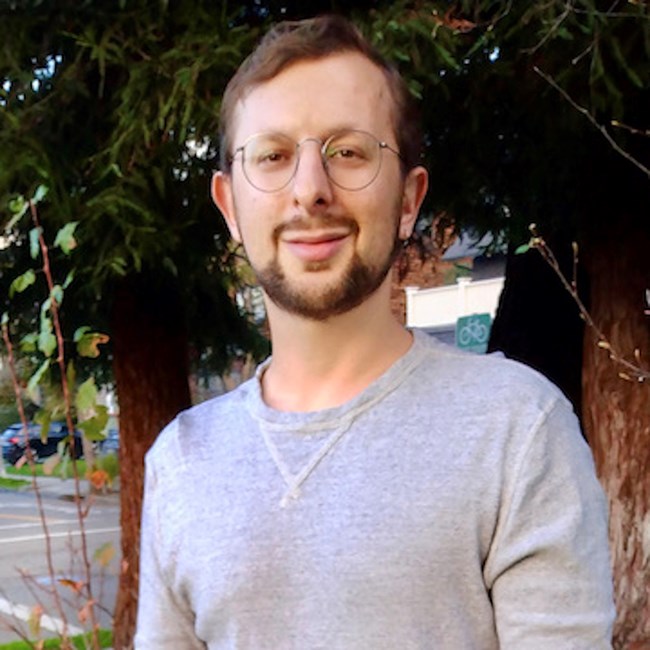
352, 159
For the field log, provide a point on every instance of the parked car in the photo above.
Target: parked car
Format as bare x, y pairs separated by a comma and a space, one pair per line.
13, 441
111, 443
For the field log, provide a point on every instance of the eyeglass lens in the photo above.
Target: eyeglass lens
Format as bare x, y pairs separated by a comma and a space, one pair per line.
351, 158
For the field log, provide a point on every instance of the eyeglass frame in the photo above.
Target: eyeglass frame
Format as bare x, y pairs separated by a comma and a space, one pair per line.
382, 144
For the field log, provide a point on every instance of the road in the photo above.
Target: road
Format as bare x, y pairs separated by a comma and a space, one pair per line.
24, 576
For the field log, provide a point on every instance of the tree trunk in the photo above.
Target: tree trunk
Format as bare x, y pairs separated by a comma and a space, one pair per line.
616, 417
151, 374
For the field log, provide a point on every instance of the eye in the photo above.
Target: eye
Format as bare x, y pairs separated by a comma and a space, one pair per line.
354, 148
344, 151
272, 157
270, 152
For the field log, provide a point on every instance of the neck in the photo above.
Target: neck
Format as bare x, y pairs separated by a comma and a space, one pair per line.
322, 364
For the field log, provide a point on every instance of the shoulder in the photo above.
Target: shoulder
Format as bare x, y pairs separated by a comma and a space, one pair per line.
486, 378
187, 437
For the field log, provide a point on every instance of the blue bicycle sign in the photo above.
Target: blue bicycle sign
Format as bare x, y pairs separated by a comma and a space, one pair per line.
473, 332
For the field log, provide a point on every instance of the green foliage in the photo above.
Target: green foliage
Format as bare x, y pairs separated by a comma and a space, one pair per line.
110, 464
65, 237
125, 89
88, 342
124, 93
504, 147
22, 282
82, 407
12, 484
79, 642
8, 412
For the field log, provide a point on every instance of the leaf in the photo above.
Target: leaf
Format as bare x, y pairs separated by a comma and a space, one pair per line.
43, 418
88, 342
34, 620
57, 294
446, 56
34, 244
79, 332
98, 478
46, 343
46, 322
86, 395
104, 554
118, 266
93, 427
29, 342
45, 306
68, 280
65, 237
18, 207
520, 250
34, 380
22, 282
75, 585
39, 194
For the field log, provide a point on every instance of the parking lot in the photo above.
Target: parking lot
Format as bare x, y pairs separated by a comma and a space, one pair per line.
24, 574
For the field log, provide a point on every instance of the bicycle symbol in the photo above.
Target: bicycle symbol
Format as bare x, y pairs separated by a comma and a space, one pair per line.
473, 332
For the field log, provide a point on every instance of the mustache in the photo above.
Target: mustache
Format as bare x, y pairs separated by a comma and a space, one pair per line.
320, 222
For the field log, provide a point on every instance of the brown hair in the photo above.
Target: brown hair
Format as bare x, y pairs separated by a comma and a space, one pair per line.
292, 41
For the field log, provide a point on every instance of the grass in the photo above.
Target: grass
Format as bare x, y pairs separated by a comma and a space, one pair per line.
80, 642
12, 483
8, 415
108, 462
26, 470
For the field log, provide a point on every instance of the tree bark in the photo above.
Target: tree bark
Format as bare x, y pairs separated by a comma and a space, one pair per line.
616, 417
151, 373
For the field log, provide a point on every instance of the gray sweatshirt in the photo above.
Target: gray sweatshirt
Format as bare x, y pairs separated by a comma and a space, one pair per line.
451, 505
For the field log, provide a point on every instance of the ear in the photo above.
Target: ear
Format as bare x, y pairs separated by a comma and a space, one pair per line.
415, 189
222, 196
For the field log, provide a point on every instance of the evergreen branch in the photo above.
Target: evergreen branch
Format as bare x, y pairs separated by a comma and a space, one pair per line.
604, 132
553, 29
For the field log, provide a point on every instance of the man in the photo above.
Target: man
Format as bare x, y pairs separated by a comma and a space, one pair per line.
369, 489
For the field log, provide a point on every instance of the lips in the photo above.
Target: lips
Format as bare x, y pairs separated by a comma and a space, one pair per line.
315, 246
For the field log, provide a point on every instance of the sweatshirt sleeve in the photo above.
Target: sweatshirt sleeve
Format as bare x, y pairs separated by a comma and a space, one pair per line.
549, 568
165, 621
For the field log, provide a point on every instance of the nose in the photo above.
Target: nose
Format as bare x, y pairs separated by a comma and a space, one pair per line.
312, 189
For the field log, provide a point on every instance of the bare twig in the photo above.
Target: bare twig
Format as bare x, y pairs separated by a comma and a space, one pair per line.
631, 370
553, 29
581, 109
37, 493
631, 129
67, 398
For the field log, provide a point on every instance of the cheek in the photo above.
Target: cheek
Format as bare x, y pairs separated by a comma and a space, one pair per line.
381, 223
255, 222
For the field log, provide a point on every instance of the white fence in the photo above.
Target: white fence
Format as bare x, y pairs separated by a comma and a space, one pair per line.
440, 307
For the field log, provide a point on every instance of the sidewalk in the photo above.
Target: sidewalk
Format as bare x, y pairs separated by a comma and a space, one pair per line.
59, 488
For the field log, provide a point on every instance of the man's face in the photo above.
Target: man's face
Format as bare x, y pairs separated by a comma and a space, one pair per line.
319, 250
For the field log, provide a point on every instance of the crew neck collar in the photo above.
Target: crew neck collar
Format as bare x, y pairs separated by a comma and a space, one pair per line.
325, 418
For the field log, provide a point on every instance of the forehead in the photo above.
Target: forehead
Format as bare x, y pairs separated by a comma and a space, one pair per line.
315, 97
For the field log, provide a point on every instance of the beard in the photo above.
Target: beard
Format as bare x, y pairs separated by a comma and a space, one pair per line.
359, 280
